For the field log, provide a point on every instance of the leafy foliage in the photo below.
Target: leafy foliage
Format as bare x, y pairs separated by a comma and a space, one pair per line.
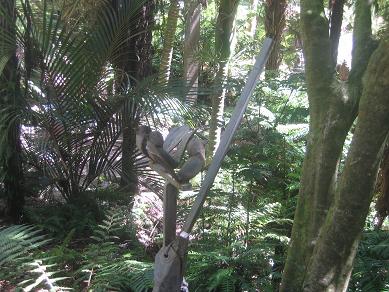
73, 114
17, 241
18, 262
106, 267
81, 216
45, 278
72, 131
371, 264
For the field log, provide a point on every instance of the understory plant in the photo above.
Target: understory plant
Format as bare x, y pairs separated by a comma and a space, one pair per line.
21, 265
105, 263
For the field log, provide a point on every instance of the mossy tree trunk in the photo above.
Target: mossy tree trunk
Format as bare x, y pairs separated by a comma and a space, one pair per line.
11, 100
223, 37
333, 255
331, 212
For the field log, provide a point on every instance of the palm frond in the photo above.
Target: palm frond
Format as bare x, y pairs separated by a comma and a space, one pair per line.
71, 102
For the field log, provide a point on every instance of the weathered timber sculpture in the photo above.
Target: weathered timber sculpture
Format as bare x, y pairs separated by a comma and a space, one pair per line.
164, 157
195, 162
171, 259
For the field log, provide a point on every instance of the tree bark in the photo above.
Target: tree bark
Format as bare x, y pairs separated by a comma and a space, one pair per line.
223, 35
11, 101
329, 124
167, 50
274, 26
332, 111
334, 253
191, 45
382, 204
336, 19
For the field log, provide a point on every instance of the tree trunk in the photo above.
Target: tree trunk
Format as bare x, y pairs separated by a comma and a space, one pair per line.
336, 19
274, 26
191, 45
10, 102
167, 50
129, 177
223, 35
331, 114
333, 256
132, 64
252, 18
382, 204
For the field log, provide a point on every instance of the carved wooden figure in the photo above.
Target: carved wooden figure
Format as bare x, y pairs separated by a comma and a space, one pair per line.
195, 162
164, 157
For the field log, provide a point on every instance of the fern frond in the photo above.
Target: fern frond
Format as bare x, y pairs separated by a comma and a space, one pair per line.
371, 265
105, 268
16, 241
45, 277
17, 261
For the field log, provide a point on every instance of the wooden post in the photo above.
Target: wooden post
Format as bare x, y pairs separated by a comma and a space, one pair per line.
170, 213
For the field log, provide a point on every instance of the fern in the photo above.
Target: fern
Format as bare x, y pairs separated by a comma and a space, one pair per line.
45, 277
222, 279
17, 244
106, 269
111, 224
123, 275
17, 241
372, 263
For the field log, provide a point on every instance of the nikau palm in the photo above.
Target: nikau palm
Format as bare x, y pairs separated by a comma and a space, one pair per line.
72, 108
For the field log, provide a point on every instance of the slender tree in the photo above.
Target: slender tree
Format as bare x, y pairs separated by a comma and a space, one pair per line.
132, 62
10, 102
252, 18
274, 26
167, 50
191, 45
223, 36
331, 209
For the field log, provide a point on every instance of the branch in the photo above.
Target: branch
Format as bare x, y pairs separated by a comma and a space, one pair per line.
317, 54
332, 259
363, 47
336, 27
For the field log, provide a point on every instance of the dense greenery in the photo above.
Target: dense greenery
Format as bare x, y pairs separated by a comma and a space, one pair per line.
81, 208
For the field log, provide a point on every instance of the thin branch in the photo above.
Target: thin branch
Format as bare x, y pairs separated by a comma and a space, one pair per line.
335, 27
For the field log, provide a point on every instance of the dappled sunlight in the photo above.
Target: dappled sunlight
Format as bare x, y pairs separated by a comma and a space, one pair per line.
194, 145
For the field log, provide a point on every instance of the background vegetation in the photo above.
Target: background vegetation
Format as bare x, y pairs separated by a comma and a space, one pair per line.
80, 207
